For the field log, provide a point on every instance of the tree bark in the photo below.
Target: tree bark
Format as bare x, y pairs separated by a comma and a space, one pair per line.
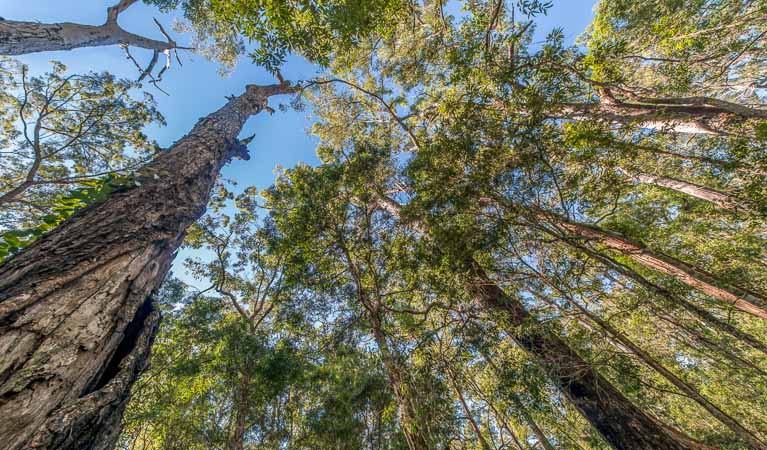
19, 37
720, 199
693, 115
620, 422
466, 410
67, 302
689, 274
626, 344
409, 424
703, 316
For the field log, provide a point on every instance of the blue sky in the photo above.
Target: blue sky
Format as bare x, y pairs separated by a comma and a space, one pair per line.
196, 89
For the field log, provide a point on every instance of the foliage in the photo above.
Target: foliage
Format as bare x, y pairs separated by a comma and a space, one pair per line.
62, 130
64, 206
611, 196
312, 29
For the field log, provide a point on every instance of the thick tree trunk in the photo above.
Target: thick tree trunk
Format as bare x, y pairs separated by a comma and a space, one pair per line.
689, 274
694, 115
619, 421
18, 37
67, 302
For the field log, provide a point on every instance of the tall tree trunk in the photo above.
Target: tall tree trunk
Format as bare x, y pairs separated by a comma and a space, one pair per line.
703, 316
71, 303
718, 198
466, 410
537, 431
694, 115
619, 421
689, 274
18, 37
409, 423
626, 344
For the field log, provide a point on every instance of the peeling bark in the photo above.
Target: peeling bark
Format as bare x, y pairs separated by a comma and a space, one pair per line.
67, 301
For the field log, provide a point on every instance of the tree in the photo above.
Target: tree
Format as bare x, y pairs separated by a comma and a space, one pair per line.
65, 130
247, 367
19, 37
484, 157
76, 303
314, 30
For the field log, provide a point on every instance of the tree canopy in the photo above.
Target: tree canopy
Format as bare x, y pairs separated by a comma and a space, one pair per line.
507, 242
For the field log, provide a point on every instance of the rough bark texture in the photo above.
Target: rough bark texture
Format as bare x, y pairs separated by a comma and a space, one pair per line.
19, 37
619, 421
69, 302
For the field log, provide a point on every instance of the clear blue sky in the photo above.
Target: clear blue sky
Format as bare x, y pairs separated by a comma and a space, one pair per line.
196, 89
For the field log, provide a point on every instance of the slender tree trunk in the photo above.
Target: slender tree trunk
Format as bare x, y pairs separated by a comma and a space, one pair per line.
18, 37
718, 198
537, 431
469, 415
703, 316
722, 164
620, 422
409, 423
626, 344
73, 320
237, 437
689, 274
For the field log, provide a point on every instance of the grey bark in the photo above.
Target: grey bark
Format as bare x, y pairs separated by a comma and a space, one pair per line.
67, 302
20, 37
720, 199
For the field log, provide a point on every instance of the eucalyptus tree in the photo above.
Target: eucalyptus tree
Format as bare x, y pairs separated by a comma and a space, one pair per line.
490, 166
269, 31
76, 308
242, 363
352, 252
61, 130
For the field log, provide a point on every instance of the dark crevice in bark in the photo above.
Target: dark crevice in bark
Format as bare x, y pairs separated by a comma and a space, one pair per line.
76, 322
128, 343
